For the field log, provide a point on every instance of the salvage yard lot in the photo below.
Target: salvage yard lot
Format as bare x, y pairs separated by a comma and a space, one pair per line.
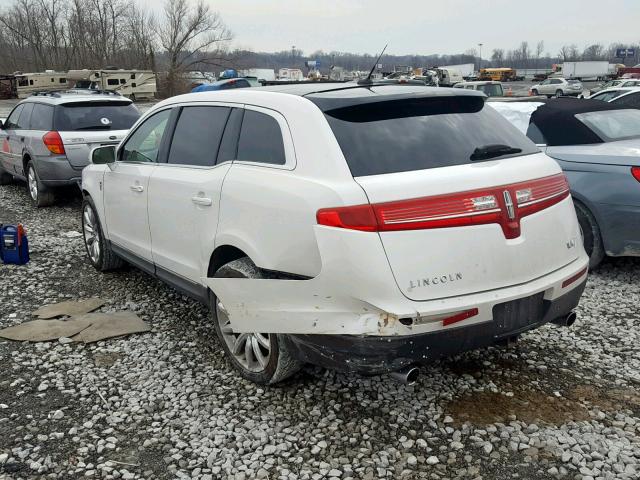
165, 404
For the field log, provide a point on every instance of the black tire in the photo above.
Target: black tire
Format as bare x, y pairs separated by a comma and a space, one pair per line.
281, 362
105, 260
559, 93
5, 178
534, 92
40, 195
590, 235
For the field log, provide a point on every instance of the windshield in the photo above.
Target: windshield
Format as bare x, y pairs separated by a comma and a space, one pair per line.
612, 125
112, 115
606, 96
415, 134
491, 90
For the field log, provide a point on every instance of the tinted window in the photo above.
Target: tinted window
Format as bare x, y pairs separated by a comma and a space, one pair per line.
631, 100
229, 146
12, 121
415, 134
197, 135
612, 125
536, 136
606, 96
144, 144
25, 116
63, 80
260, 139
491, 90
95, 116
42, 117
112, 81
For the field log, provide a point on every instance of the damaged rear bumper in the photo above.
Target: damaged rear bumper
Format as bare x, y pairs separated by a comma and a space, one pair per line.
384, 354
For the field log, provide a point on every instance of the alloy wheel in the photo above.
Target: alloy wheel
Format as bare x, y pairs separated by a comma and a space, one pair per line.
33, 184
91, 237
251, 350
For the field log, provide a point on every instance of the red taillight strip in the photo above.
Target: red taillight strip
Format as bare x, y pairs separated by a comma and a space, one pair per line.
575, 277
458, 317
635, 171
474, 207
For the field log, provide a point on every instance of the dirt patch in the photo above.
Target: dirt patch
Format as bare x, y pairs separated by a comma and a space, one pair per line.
484, 408
106, 359
606, 399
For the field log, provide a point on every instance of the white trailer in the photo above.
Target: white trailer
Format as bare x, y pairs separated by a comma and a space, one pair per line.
586, 70
28, 83
267, 74
294, 74
135, 84
464, 69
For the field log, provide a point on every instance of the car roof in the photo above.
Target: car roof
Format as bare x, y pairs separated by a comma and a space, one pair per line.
74, 96
625, 90
481, 82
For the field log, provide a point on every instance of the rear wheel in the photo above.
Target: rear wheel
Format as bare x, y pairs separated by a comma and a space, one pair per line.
41, 196
99, 252
534, 92
263, 358
591, 237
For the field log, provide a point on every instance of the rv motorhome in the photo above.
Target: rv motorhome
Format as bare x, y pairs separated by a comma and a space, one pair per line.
28, 83
135, 84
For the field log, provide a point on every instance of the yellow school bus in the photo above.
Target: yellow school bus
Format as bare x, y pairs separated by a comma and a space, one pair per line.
497, 74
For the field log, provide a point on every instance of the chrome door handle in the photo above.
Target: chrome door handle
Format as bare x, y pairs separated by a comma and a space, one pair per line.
204, 201
137, 188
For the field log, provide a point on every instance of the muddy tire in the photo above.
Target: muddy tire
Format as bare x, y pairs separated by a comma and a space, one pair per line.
259, 357
41, 196
590, 235
98, 249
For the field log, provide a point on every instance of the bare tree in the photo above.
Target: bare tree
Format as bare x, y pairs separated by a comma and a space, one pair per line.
191, 36
594, 52
497, 57
539, 50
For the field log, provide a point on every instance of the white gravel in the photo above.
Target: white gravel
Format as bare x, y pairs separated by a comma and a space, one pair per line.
563, 403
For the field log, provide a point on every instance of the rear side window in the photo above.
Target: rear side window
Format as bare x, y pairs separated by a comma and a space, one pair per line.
95, 116
25, 116
197, 136
632, 100
42, 117
416, 134
12, 121
261, 139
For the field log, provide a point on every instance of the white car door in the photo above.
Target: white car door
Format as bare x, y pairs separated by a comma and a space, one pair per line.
545, 87
126, 188
184, 191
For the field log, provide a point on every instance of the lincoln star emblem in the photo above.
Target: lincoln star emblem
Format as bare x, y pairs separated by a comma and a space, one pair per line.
511, 212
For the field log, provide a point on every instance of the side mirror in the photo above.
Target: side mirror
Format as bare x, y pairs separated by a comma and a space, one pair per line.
103, 155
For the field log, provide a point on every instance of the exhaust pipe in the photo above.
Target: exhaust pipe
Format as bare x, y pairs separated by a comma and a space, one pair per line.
406, 375
565, 321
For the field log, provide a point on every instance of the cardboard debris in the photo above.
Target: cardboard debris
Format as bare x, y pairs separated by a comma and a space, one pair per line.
108, 325
45, 330
69, 308
87, 328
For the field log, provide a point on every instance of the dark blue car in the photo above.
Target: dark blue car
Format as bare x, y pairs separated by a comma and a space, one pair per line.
222, 85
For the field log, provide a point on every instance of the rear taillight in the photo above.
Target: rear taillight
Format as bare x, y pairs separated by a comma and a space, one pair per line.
574, 278
458, 317
53, 142
504, 205
635, 171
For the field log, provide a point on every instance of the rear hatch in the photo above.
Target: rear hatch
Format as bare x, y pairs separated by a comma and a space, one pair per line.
85, 125
462, 201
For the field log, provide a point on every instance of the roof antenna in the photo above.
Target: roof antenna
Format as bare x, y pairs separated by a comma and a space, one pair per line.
367, 80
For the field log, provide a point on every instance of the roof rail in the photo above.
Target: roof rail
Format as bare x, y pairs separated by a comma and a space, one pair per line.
91, 91
47, 93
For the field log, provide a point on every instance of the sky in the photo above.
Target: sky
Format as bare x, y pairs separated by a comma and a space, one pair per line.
422, 27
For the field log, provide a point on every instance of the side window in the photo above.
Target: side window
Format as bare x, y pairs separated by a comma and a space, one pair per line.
63, 80
197, 136
535, 135
42, 117
112, 81
122, 81
12, 121
632, 100
144, 144
25, 116
261, 139
229, 146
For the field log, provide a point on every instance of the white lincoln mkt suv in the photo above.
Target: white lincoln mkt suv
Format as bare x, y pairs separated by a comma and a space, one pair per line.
363, 228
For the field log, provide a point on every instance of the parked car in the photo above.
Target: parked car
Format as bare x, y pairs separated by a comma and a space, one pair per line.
346, 226
223, 85
47, 138
489, 88
597, 145
629, 97
620, 83
557, 87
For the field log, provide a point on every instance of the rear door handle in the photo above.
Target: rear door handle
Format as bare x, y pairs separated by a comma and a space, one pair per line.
137, 188
204, 201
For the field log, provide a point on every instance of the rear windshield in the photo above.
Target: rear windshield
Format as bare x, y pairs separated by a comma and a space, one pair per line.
95, 116
491, 89
612, 125
416, 134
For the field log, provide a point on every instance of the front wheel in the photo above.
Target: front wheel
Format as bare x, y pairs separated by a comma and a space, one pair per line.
99, 252
591, 237
534, 92
262, 358
559, 93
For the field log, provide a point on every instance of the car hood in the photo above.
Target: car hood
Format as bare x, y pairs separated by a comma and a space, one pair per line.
622, 152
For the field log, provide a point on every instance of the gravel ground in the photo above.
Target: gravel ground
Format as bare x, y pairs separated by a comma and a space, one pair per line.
562, 403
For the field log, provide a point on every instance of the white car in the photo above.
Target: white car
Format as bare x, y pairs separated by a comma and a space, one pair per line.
557, 87
629, 97
367, 229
